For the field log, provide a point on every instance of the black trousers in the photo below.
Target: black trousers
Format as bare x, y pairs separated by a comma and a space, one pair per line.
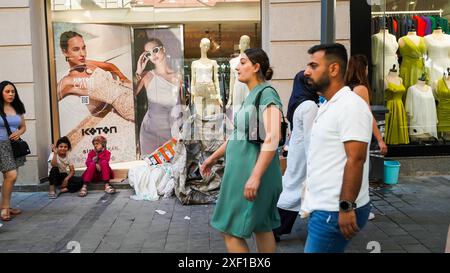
56, 178
287, 221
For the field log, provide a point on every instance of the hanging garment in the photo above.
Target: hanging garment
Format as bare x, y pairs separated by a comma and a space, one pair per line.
421, 25
412, 66
421, 111
428, 29
438, 46
396, 122
387, 43
443, 106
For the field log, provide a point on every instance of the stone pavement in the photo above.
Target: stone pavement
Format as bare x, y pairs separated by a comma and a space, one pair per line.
413, 216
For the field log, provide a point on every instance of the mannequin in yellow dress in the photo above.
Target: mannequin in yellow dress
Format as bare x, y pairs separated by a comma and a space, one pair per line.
205, 89
442, 94
412, 48
396, 122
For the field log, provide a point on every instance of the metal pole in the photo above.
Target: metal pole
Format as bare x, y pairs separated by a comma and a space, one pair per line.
328, 21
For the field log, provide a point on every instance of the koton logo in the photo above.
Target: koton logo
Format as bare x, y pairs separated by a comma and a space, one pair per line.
99, 130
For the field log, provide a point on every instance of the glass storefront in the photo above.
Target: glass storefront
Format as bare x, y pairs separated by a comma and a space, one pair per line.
128, 69
410, 66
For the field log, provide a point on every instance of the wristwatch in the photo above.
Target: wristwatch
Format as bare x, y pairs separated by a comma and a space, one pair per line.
346, 206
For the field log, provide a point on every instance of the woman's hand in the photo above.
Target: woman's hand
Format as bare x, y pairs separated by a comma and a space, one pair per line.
205, 168
383, 147
15, 136
141, 64
251, 188
97, 166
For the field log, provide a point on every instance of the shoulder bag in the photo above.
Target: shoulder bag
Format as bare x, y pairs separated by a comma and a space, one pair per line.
19, 147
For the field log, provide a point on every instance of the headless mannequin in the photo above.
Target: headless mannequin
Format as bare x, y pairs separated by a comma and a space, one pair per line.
446, 135
205, 82
238, 90
438, 47
412, 36
423, 87
392, 77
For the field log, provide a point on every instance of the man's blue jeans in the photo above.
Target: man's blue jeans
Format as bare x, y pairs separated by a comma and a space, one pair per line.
324, 235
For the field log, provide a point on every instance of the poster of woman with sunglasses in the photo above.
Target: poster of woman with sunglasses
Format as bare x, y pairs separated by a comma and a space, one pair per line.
94, 91
158, 66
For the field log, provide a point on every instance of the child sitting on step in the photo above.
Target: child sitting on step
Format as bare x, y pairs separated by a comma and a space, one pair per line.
61, 170
98, 168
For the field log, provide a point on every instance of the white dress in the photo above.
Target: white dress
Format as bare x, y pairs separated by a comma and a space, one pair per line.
387, 46
240, 90
421, 111
438, 57
295, 172
160, 122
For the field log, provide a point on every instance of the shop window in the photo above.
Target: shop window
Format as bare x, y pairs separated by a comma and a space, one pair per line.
410, 58
123, 68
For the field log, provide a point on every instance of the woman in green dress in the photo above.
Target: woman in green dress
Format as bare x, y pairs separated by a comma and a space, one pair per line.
251, 183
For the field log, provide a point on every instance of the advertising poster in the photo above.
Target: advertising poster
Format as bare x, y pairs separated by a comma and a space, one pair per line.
94, 88
157, 69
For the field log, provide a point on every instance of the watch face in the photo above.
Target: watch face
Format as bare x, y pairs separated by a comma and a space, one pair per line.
344, 205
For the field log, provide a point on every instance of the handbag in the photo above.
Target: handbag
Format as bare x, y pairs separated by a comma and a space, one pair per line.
19, 147
254, 134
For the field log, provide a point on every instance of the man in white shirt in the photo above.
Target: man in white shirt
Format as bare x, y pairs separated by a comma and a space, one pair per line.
336, 190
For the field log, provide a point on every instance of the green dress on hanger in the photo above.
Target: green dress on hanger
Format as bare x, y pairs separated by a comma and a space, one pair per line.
234, 214
412, 66
396, 122
443, 107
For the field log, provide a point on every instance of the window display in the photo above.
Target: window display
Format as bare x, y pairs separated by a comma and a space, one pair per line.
136, 70
410, 46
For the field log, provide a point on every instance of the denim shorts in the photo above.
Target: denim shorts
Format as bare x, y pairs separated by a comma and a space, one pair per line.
324, 234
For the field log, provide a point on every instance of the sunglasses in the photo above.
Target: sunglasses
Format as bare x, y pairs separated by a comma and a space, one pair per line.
155, 50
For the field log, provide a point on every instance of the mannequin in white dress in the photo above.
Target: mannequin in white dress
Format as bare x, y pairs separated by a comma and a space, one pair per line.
438, 45
238, 90
421, 111
205, 89
387, 42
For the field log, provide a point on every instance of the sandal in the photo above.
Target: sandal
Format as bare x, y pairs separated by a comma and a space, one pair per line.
110, 190
14, 211
5, 217
52, 195
83, 192
63, 190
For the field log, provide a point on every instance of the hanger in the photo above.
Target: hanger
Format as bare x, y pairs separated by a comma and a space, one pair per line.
393, 69
422, 77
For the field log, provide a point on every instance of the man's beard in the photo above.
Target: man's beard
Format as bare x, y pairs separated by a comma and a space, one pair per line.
320, 86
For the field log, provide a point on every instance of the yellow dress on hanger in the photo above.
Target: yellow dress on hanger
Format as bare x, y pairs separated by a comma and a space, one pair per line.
443, 106
396, 122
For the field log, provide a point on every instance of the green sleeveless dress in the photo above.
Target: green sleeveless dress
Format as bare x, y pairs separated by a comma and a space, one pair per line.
396, 123
412, 65
233, 214
443, 106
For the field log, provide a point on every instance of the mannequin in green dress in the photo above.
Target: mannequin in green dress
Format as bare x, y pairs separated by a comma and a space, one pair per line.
251, 184
443, 107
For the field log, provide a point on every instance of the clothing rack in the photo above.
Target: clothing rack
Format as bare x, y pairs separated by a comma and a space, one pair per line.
440, 11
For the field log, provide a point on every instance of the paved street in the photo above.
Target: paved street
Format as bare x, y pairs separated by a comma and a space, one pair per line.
413, 216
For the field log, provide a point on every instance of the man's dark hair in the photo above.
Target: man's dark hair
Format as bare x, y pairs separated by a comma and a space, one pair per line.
333, 52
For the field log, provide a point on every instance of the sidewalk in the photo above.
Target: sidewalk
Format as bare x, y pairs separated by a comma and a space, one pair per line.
413, 216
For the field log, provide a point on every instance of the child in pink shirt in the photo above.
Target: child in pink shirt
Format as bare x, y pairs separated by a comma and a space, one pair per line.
98, 168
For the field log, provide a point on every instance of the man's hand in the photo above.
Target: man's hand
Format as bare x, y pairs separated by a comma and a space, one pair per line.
347, 224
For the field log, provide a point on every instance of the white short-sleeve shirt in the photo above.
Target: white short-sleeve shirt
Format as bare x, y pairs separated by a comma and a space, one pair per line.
346, 117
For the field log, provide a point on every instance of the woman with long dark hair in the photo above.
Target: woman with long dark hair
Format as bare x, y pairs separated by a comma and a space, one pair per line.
12, 108
356, 79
